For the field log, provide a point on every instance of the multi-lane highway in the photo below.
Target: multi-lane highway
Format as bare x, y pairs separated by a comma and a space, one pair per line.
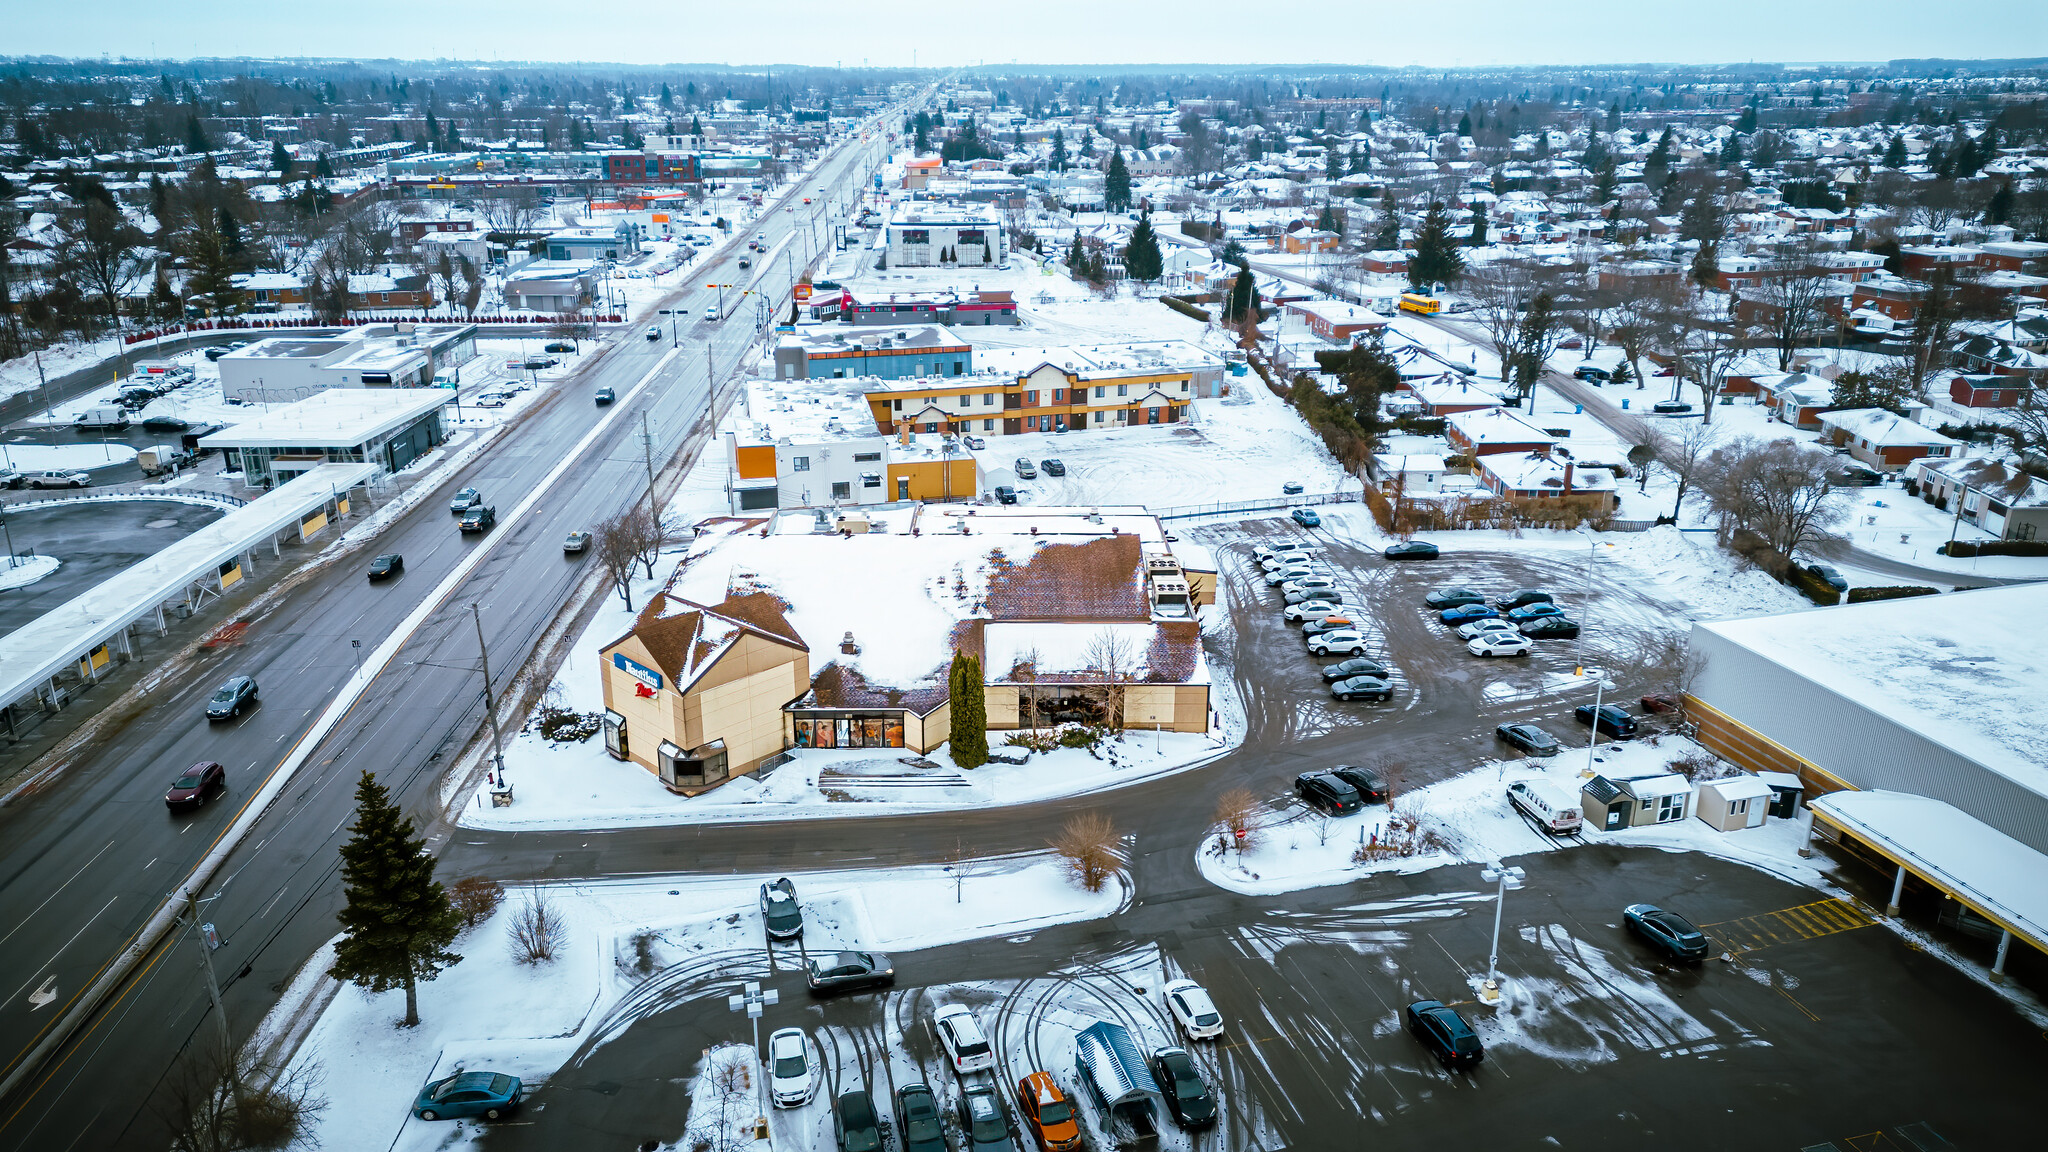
86, 862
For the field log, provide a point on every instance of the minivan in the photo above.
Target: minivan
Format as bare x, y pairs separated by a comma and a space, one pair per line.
1548, 804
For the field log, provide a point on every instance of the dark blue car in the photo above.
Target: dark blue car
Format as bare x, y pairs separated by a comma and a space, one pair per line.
490, 1095
1466, 613
1534, 612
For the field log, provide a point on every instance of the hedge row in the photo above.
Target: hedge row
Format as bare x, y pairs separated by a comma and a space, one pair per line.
1186, 309
1899, 592
1962, 548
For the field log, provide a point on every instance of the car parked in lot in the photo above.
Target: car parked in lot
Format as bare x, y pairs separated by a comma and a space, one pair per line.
1291, 488
1324, 624
1293, 571
1500, 644
1005, 494
1362, 688
790, 1078
491, 1095
1306, 517
973, 443
1529, 612
1667, 932
1053, 467
230, 698
1191, 1008
1356, 666
780, 911
1048, 1114
1521, 598
1466, 613
845, 971
981, 1118
961, 1037
1180, 1082
1550, 804
492, 399
1308, 588
1611, 719
854, 1123
1337, 642
1025, 469
386, 566
575, 543
1299, 548
1412, 550
1478, 628
198, 784
465, 500
918, 1123
1369, 786
559, 346
1829, 575
1551, 628
1528, 739
165, 424
1316, 610
1591, 374
1444, 598
1327, 794
1444, 1033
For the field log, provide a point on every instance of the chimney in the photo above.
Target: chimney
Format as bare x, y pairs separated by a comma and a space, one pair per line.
1567, 491
848, 647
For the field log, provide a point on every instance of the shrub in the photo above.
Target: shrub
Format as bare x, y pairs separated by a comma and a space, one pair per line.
1962, 548
566, 726
1899, 592
1186, 309
475, 898
1038, 740
538, 930
1088, 845
1238, 811
1080, 737
1810, 586
1405, 835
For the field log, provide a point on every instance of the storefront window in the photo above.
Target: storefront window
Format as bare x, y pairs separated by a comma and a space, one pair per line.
883, 730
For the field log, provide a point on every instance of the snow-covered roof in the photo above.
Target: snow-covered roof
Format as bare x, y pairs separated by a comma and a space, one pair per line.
1996, 875
1743, 787
1960, 669
1497, 426
1884, 428
1167, 652
337, 417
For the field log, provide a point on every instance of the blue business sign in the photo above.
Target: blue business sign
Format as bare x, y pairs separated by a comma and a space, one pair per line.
637, 670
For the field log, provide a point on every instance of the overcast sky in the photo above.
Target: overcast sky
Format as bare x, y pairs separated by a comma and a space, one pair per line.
1445, 33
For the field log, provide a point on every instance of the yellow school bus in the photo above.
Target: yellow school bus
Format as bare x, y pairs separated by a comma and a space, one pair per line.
1422, 305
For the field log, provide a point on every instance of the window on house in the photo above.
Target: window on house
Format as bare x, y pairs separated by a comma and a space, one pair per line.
1059, 395
842, 490
1123, 389
866, 457
931, 426
1098, 417
799, 463
839, 373
1031, 397
988, 399
896, 405
967, 401
988, 425
957, 368
871, 480
1099, 390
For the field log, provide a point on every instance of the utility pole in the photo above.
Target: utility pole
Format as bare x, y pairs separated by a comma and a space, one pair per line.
490, 701
647, 451
220, 1013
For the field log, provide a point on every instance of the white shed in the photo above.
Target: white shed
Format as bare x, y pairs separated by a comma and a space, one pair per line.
1734, 803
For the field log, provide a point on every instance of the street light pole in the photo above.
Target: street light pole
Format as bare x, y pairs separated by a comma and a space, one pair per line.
220, 1013
490, 701
1506, 878
1593, 738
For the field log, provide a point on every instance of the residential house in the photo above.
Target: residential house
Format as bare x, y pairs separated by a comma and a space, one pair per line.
551, 286
1490, 431
1797, 398
1310, 240
1883, 439
1992, 391
1991, 494
1098, 388
1338, 321
1539, 475
1450, 393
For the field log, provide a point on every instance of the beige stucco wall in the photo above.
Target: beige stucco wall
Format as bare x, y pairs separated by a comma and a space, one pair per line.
1174, 707
739, 700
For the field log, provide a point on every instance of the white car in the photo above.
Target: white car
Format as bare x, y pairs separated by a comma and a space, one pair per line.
1292, 572
1283, 559
1190, 1004
1478, 628
1265, 552
491, 400
1309, 610
1337, 642
961, 1037
1304, 583
1500, 644
790, 1077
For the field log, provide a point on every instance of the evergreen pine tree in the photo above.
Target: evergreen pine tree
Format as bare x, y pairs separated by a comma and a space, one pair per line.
1243, 306
968, 737
1731, 151
667, 98
1999, 208
433, 128
280, 160
1706, 264
1355, 163
195, 135
1116, 184
1436, 261
1465, 124
1077, 258
1603, 183
398, 923
1142, 261
1058, 160
1333, 164
1895, 152
1746, 123
1388, 238
322, 168
1595, 154
1657, 167
1327, 221
1479, 226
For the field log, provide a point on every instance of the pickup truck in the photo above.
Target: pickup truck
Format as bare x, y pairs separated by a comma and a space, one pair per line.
481, 518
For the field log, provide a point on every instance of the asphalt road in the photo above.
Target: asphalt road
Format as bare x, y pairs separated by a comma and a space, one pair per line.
93, 541
85, 862
1605, 1045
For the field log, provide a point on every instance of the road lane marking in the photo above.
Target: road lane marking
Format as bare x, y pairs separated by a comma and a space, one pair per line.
41, 997
60, 951
61, 887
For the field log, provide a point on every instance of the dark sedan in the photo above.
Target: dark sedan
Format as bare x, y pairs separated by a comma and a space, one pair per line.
1444, 598
1187, 1094
200, 783
1828, 575
1362, 688
1551, 628
1327, 794
1371, 788
855, 1124
386, 566
1444, 1033
1053, 467
1412, 550
605, 396
917, 1120
780, 910
1528, 739
849, 970
1611, 719
1520, 597
230, 698
1667, 932
1356, 666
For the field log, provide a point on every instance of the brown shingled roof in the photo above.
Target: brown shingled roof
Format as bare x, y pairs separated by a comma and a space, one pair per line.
1176, 648
838, 686
684, 637
1102, 579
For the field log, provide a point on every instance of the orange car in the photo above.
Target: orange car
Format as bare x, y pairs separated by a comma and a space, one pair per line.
1048, 1113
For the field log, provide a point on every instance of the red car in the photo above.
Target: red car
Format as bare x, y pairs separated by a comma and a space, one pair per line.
1660, 702
196, 786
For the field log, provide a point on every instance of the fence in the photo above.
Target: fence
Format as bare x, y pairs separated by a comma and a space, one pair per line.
1185, 510
193, 496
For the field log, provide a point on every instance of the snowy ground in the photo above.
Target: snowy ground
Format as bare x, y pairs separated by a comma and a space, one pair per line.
623, 942
50, 457
27, 571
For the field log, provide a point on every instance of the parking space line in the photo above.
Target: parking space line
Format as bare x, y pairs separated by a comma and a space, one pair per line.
1788, 925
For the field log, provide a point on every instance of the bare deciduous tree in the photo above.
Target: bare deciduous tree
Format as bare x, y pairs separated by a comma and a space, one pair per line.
1778, 489
538, 930
1238, 811
204, 1111
475, 898
624, 542
1500, 291
1088, 845
1706, 347
1790, 301
1114, 656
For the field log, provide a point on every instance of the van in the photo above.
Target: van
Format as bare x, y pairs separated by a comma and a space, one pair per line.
101, 417
1548, 804
158, 459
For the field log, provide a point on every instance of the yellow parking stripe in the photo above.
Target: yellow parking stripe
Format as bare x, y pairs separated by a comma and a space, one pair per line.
1804, 922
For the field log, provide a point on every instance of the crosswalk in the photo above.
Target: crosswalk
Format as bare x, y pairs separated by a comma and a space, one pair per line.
1805, 922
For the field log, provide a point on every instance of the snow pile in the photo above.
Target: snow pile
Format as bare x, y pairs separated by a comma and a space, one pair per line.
68, 457
28, 571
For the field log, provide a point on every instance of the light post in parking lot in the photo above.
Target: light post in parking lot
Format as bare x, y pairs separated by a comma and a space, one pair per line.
1506, 877
1593, 738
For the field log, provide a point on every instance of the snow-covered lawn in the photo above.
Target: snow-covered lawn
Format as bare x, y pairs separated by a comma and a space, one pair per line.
1467, 819
492, 1012
27, 571
51, 457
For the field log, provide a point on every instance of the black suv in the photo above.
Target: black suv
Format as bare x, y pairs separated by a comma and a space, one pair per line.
1667, 932
854, 1122
1187, 1094
1612, 719
233, 696
1369, 786
1327, 793
1445, 1033
479, 519
1053, 467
